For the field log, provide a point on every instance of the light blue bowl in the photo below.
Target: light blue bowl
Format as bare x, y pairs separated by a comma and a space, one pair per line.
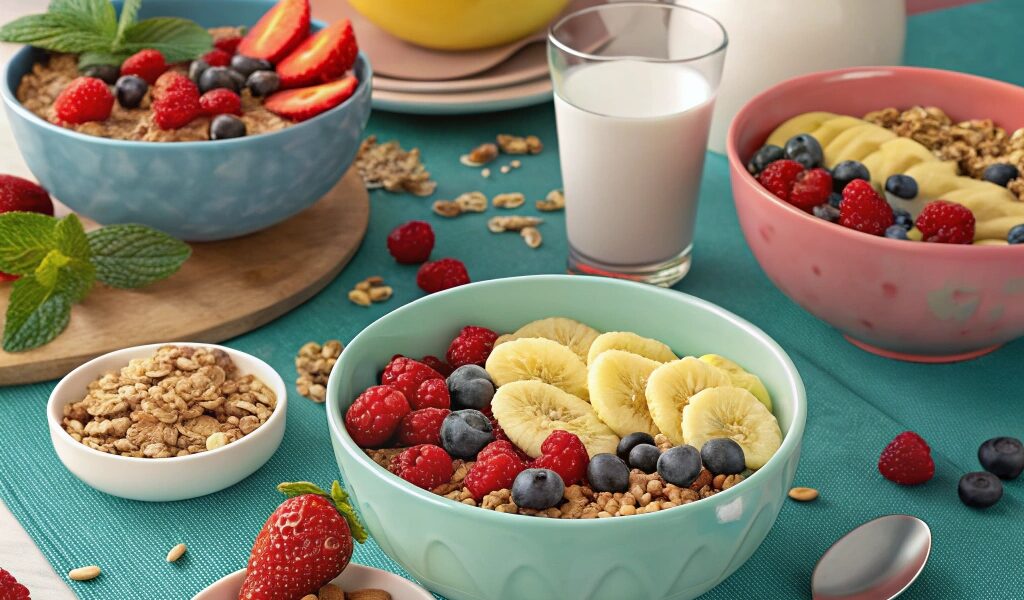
197, 191
467, 553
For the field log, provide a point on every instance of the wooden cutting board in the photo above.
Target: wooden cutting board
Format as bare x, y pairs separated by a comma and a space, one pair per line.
225, 289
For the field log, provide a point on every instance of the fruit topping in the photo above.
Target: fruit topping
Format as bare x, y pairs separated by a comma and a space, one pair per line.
616, 382
1000, 173
432, 393
83, 100
305, 103
810, 189
175, 104
538, 359
226, 127
439, 275
422, 426
147, 64
410, 243
196, 69
278, 32
835, 199
219, 77
470, 387
1015, 235
907, 460
375, 415
896, 232
846, 171
537, 489
670, 388
496, 472
565, 454
407, 375
732, 412
263, 83
804, 149
1002, 456
764, 156
221, 102
217, 58
499, 447
946, 223
902, 218
628, 442
426, 465
902, 186
130, 90
980, 489
472, 346
864, 209
679, 465
17, 194
644, 457
780, 176
246, 66
826, 212
608, 473
465, 432
324, 56
723, 456
108, 74
228, 43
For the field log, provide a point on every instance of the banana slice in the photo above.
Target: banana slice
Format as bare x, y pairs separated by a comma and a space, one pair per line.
528, 411
567, 332
538, 359
617, 381
630, 342
735, 413
741, 378
670, 387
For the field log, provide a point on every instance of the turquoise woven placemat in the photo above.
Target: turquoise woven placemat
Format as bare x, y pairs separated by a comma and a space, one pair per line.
857, 402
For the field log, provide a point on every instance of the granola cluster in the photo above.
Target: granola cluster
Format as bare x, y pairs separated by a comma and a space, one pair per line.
973, 144
313, 364
180, 401
647, 492
388, 166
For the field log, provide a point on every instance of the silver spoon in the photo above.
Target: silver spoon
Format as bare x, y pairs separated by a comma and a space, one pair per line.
876, 561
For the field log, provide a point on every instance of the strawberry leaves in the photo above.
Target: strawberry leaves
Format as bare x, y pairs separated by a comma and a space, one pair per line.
338, 495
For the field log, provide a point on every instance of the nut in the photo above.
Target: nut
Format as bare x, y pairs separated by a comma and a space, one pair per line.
512, 223
84, 573
555, 201
803, 494
218, 439
479, 156
176, 552
392, 168
447, 208
532, 237
310, 597
513, 144
505, 168
472, 202
331, 592
516, 163
313, 364
380, 293
359, 297
368, 594
511, 200
485, 172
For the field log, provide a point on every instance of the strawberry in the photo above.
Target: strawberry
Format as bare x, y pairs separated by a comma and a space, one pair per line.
147, 64
304, 544
321, 58
305, 103
278, 32
83, 100
228, 43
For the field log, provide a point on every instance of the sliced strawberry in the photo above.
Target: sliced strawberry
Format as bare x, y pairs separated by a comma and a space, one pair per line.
304, 103
278, 32
323, 57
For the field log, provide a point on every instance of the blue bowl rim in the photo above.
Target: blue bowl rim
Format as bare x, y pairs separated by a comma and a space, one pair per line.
790, 442
10, 99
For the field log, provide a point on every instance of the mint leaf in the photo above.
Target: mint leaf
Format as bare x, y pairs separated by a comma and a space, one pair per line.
36, 314
178, 39
98, 14
129, 12
75, 279
57, 32
70, 238
132, 256
47, 271
88, 59
25, 239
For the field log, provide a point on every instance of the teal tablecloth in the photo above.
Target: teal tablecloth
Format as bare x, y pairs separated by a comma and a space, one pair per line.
857, 402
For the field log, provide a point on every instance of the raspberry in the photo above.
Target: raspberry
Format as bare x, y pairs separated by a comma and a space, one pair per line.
217, 58
502, 446
221, 101
228, 44
946, 222
411, 243
812, 188
10, 589
495, 473
421, 426
172, 82
406, 375
375, 415
437, 364
907, 460
147, 64
863, 209
84, 99
432, 393
471, 347
426, 466
565, 454
441, 275
780, 176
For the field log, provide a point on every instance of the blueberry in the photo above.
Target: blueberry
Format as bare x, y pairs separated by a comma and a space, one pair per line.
263, 83
1000, 173
679, 465
1003, 457
466, 432
805, 150
538, 489
608, 473
106, 73
1016, 234
644, 457
847, 171
764, 156
225, 127
470, 387
218, 77
901, 186
130, 91
896, 232
196, 69
627, 443
902, 218
980, 489
238, 78
247, 66
835, 199
827, 212
723, 456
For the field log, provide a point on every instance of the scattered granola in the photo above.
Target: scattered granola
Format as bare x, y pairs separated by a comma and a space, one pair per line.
516, 163
480, 156
505, 168
176, 553
313, 363
510, 200
514, 144
555, 201
447, 208
84, 573
512, 223
370, 290
532, 237
472, 202
485, 172
803, 494
169, 404
387, 165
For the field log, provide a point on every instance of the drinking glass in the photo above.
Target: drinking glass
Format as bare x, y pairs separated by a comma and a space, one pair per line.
635, 86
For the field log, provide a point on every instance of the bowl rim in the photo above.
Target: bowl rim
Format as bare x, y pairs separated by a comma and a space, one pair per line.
790, 443
58, 394
740, 173
364, 88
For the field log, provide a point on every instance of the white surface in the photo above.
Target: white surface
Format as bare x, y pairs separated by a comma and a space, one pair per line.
632, 138
355, 577
519, 95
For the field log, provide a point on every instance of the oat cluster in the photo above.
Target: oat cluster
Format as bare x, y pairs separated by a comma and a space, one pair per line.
388, 166
180, 401
313, 363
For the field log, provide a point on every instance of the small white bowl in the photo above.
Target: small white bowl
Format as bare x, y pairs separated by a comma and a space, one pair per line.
164, 479
354, 577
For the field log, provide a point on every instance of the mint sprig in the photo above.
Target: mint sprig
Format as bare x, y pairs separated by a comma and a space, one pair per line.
58, 264
93, 30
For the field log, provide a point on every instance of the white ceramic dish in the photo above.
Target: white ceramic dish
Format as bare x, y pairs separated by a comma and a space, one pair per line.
164, 479
355, 577
459, 103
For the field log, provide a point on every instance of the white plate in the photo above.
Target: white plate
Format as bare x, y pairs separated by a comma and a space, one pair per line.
478, 101
354, 577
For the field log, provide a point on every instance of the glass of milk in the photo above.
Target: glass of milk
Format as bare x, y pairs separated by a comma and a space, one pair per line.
635, 86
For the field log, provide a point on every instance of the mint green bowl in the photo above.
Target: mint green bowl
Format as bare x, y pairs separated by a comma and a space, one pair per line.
467, 553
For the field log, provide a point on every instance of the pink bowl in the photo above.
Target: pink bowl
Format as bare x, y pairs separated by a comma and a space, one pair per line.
905, 300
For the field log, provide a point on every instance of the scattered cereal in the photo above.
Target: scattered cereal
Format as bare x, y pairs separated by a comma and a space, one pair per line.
485, 172
359, 297
84, 573
803, 494
511, 200
447, 208
330, 592
370, 290
396, 170
313, 364
381, 293
512, 223
513, 144
472, 202
532, 237
480, 156
515, 164
505, 168
176, 553
555, 201
169, 404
